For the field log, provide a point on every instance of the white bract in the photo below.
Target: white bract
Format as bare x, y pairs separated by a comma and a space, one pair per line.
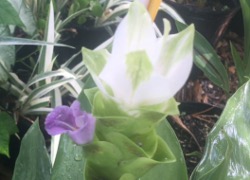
142, 70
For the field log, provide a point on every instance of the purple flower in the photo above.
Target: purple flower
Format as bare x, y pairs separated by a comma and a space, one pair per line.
79, 125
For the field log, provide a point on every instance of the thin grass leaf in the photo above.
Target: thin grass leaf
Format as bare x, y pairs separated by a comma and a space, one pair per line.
39, 111
5, 40
69, 88
80, 68
46, 54
67, 63
13, 89
41, 91
15, 81
245, 6
238, 64
76, 84
56, 100
118, 11
52, 74
46, 75
70, 18
41, 102
170, 11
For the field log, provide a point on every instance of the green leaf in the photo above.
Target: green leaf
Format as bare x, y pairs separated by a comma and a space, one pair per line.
69, 163
105, 154
7, 128
46, 54
175, 170
95, 60
4, 40
228, 144
124, 155
245, 6
96, 8
139, 67
239, 64
87, 95
113, 118
208, 61
41, 91
8, 14
7, 55
33, 160
26, 15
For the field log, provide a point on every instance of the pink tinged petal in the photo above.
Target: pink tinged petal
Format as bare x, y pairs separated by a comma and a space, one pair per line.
60, 120
85, 133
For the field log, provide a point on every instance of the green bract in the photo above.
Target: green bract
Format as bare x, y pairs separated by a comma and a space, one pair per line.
142, 70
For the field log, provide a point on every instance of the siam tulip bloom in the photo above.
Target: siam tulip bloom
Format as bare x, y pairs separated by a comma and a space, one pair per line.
79, 125
142, 70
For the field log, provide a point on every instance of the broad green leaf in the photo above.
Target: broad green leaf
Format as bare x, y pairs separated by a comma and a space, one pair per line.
25, 13
227, 152
69, 162
87, 95
7, 54
175, 170
7, 128
8, 15
139, 67
33, 160
208, 61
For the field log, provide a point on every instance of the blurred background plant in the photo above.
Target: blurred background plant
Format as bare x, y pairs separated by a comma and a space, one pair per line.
31, 80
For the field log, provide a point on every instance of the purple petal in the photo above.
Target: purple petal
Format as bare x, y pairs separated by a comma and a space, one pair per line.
76, 109
85, 133
60, 120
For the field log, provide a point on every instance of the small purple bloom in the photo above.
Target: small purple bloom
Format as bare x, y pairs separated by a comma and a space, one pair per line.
79, 125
